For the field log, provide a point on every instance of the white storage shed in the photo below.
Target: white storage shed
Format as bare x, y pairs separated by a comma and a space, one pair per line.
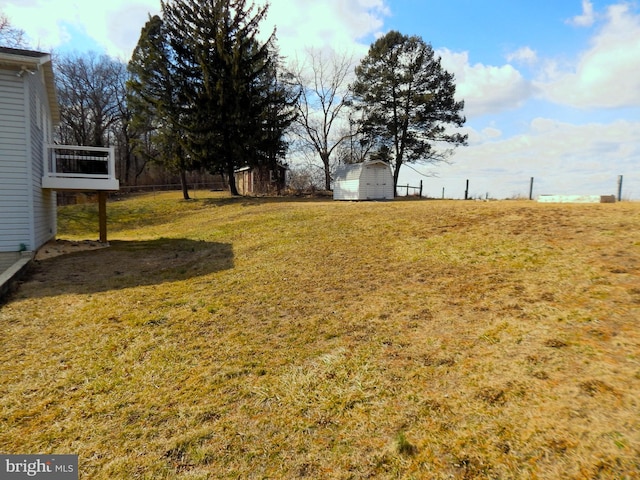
370, 180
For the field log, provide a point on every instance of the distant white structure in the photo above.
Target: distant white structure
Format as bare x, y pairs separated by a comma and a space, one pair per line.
370, 180
577, 199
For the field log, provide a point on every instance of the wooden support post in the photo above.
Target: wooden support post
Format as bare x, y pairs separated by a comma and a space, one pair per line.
420, 188
466, 192
102, 215
531, 189
619, 188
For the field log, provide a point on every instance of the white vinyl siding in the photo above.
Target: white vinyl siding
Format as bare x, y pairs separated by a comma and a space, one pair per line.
27, 212
14, 185
43, 201
370, 180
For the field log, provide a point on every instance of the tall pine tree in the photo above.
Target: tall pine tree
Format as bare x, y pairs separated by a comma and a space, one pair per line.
218, 56
407, 100
155, 94
278, 111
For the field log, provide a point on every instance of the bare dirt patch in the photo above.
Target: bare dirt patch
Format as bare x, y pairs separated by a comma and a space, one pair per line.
58, 247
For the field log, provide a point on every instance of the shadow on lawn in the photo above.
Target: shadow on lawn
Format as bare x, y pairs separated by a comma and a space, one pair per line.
126, 264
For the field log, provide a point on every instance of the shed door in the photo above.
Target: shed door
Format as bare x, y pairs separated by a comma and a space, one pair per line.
376, 181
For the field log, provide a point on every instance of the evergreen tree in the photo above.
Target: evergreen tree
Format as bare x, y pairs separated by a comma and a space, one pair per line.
222, 65
157, 102
278, 112
407, 103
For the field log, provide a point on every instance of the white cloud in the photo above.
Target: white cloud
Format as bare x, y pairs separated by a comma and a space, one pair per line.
336, 24
115, 25
567, 158
123, 26
523, 55
562, 158
587, 18
485, 88
491, 132
606, 75
28, 16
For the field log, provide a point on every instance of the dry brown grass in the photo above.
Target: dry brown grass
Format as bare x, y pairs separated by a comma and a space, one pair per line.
258, 338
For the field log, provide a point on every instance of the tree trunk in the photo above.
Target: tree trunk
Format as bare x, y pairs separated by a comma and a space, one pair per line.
183, 182
396, 174
233, 190
327, 171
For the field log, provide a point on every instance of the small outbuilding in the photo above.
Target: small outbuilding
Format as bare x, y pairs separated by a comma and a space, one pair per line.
261, 179
370, 180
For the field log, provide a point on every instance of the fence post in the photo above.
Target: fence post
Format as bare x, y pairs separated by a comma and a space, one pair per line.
619, 188
531, 190
466, 192
420, 188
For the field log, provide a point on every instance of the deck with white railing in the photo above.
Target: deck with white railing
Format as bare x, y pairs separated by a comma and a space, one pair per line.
71, 167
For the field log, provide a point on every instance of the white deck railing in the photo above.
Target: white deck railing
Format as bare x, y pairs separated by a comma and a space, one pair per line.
73, 167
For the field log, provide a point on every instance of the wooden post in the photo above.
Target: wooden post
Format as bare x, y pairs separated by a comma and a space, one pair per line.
420, 188
407, 189
442, 193
102, 215
619, 188
531, 190
466, 192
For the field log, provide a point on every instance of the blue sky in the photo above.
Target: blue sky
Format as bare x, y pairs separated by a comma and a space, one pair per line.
552, 88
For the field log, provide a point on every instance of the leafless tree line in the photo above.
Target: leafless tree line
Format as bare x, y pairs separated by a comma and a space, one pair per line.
10, 36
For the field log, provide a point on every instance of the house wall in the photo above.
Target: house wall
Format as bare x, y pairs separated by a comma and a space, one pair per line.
27, 212
15, 225
40, 131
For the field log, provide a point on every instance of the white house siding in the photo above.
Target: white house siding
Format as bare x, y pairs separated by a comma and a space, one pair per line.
14, 189
43, 201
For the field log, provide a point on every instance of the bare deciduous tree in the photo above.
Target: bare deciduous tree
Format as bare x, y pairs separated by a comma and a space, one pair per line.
94, 109
9, 35
90, 94
323, 82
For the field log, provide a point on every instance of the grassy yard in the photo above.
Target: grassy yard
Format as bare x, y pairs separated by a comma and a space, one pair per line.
265, 338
